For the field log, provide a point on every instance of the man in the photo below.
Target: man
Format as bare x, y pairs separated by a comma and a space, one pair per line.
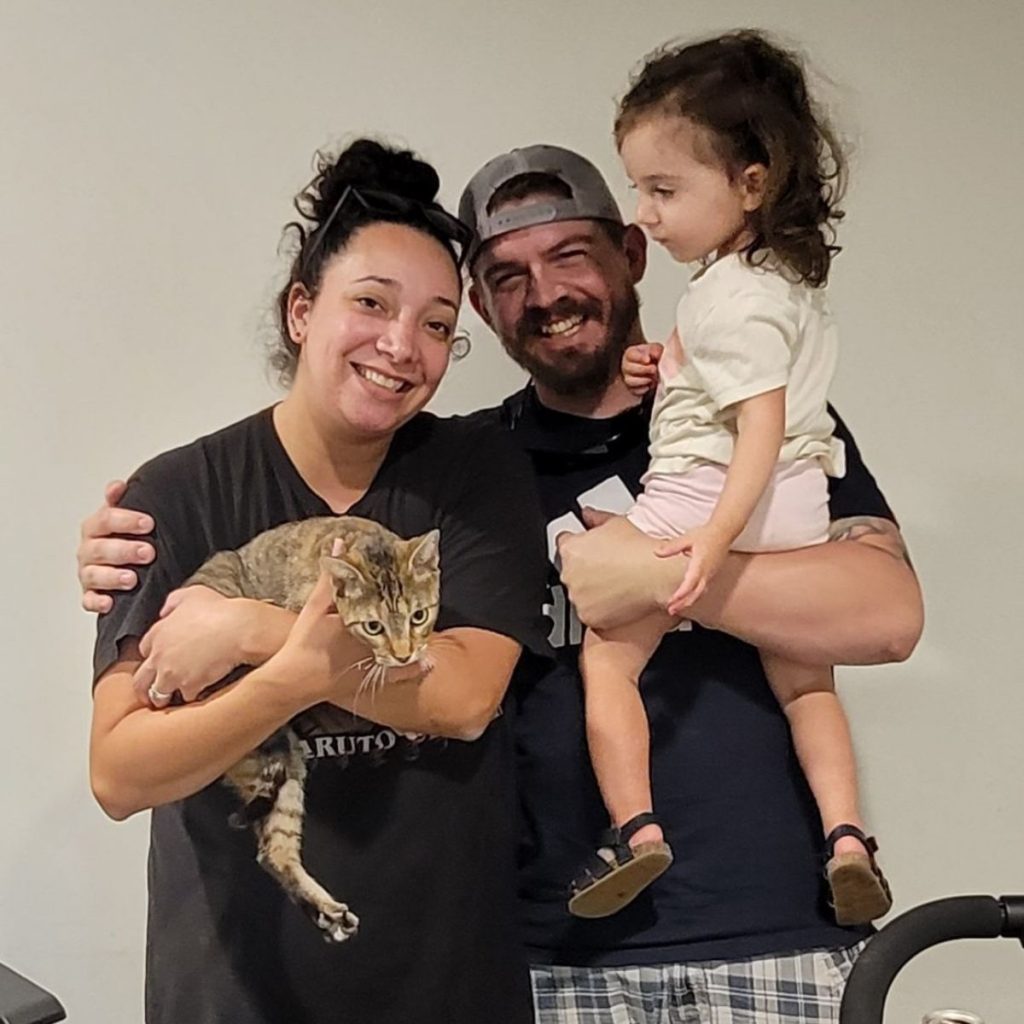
737, 929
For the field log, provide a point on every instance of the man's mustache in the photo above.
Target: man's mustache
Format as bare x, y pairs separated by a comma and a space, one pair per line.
535, 318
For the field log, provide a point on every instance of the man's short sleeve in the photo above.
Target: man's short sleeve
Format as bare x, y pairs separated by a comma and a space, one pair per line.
742, 346
493, 561
855, 493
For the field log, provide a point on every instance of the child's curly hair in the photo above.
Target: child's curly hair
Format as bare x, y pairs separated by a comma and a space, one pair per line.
751, 99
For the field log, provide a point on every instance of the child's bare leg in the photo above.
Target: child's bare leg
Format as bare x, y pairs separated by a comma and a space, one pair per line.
821, 737
617, 729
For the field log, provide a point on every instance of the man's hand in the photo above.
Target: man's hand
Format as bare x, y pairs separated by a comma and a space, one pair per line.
104, 558
321, 657
612, 574
640, 367
707, 547
194, 644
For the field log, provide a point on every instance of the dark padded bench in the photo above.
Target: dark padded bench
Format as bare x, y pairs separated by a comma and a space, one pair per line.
24, 1002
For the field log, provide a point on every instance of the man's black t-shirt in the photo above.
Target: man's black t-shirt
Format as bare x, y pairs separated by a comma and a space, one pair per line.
418, 836
745, 831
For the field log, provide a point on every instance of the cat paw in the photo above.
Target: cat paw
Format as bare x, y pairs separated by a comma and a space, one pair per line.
338, 923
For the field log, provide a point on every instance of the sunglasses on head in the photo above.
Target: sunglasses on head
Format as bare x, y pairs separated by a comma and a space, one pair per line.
389, 204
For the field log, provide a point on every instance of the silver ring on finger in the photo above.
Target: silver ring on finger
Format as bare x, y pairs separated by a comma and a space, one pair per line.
156, 697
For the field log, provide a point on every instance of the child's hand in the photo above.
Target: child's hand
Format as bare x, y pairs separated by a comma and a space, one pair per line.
707, 547
640, 367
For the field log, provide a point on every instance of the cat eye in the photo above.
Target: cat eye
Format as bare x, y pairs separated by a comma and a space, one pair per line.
419, 617
373, 627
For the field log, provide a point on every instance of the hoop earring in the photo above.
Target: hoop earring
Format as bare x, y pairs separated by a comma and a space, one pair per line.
462, 344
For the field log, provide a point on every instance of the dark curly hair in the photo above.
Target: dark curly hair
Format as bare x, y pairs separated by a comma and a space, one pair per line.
750, 98
366, 164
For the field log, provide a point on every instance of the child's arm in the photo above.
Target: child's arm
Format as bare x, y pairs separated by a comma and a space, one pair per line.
760, 430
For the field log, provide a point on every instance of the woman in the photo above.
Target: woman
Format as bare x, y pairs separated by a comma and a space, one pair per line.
417, 834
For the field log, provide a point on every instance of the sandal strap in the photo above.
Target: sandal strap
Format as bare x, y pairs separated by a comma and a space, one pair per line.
617, 841
595, 868
631, 827
841, 832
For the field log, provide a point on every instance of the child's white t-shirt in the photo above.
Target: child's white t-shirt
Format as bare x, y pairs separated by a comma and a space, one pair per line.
744, 331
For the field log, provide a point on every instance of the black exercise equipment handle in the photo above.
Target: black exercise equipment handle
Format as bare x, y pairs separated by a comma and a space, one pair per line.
958, 917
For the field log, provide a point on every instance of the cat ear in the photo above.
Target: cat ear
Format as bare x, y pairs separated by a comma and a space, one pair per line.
344, 574
424, 553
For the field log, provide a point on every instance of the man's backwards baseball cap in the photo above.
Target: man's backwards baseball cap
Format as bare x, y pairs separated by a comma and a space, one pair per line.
590, 197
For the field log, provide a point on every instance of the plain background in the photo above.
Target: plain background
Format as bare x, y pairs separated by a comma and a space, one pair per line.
149, 155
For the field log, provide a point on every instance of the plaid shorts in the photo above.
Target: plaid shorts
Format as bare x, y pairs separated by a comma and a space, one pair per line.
804, 988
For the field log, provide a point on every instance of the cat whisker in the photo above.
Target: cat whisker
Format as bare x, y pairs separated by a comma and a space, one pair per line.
379, 680
374, 679
360, 664
361, 687
365, 683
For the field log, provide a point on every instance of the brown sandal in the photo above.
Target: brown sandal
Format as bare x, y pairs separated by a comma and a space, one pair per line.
860, 892
612, 879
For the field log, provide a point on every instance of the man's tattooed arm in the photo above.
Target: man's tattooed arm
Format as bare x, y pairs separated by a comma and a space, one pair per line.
880, 533
830, 604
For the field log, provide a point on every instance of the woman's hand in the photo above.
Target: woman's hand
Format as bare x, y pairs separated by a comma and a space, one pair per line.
707, 547
194, 644
317, 653
640, 367
321, 658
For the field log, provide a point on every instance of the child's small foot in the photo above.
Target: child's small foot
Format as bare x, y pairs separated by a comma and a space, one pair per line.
860, 892
630, 858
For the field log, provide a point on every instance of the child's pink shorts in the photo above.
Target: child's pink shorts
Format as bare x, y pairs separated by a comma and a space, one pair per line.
792, 513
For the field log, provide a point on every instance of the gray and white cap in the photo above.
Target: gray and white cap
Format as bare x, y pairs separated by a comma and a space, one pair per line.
591, 198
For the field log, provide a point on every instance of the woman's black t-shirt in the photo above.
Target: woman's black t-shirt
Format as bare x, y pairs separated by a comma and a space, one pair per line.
416, 835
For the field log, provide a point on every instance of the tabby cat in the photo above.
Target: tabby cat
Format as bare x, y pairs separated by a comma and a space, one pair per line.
386, 590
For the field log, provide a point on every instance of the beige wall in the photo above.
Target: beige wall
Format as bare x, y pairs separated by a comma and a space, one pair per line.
149, 153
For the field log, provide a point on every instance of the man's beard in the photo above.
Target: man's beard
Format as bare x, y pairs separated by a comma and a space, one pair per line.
574, 373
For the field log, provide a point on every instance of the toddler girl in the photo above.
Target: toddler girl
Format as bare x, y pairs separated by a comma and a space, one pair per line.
734, 170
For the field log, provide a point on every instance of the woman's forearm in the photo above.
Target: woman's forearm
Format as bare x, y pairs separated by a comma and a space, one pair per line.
264, 629
141, 758
457, 698
448, 701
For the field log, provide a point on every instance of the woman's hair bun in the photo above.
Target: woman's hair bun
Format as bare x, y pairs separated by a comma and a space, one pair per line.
369, 164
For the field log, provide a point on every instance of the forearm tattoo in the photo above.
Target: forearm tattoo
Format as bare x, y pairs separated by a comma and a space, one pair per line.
855, 527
